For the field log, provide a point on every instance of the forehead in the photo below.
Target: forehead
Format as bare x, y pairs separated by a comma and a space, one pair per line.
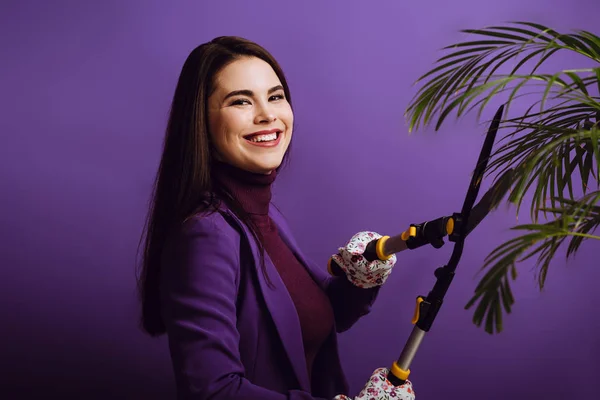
246, 73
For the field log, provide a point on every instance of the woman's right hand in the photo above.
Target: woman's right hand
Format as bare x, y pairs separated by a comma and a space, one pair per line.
379, 388
360, 271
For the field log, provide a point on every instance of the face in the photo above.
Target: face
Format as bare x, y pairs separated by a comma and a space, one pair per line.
250, 119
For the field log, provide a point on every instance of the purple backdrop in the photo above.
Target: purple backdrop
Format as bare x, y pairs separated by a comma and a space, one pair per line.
86, 88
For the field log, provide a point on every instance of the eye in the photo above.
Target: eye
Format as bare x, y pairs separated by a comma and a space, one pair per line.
240, 102
277, 97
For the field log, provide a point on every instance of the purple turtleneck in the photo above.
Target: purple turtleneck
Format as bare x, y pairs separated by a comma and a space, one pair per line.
315, 313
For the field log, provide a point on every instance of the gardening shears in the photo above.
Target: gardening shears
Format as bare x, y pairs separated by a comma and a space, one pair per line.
456, 227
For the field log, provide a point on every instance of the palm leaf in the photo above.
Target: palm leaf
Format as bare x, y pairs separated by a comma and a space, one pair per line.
460, 79
555, 139
546, 158
577, 220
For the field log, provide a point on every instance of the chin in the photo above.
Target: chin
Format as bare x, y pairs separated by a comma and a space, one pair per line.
267, 167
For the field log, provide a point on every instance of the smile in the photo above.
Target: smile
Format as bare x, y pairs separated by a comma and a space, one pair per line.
265, 139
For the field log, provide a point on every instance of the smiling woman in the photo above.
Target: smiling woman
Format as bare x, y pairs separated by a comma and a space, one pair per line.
235, 115
247, 316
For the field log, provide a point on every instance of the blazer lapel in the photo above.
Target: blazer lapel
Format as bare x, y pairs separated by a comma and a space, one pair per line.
282, 310
320, 276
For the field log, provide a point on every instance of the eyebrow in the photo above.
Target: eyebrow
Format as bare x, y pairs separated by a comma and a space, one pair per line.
249, 93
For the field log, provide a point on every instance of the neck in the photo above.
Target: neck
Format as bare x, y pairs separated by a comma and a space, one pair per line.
252, 190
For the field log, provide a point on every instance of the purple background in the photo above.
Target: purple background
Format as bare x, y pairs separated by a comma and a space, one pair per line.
86, 88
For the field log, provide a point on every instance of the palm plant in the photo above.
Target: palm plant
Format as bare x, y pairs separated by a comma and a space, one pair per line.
550, 145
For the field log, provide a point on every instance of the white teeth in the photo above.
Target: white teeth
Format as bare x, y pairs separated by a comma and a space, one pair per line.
264, 138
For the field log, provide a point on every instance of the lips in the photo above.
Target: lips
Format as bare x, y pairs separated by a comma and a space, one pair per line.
265, 139
262, 133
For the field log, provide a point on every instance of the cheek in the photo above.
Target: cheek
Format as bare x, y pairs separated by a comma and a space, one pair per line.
234, 122
220, 128
288, 117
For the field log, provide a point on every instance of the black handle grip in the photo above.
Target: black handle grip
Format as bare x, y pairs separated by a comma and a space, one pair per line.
431, 232
394, 380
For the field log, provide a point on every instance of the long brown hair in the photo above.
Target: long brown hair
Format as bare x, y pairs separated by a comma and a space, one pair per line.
184, 175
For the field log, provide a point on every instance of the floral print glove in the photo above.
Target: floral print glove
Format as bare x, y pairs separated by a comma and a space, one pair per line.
361, 272
379, 388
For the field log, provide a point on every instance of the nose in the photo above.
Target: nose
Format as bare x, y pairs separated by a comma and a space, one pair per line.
264, 114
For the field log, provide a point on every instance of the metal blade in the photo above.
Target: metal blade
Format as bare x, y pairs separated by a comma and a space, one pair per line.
482, 162
473, 190
489, 201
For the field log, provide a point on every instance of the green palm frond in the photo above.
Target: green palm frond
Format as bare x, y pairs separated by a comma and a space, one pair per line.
550, 144
470, 71
467, 79
545, 159
577, 220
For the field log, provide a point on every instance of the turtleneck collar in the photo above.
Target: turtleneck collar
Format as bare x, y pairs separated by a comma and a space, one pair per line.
252, 190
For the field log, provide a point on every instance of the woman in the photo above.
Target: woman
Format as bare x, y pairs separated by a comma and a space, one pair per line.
246, 314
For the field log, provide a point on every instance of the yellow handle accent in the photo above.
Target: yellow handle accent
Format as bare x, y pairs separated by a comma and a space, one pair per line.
329, 267
410, 232
450, 226
379, 249
417, 309
399, 372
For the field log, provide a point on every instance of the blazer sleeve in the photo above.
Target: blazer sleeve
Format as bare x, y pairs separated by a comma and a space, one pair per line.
350, 303
199, 290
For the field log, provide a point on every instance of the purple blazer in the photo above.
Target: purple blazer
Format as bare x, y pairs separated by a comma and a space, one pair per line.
230, 334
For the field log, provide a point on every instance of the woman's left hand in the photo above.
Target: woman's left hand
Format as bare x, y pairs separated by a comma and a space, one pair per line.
360, 271
379, 388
